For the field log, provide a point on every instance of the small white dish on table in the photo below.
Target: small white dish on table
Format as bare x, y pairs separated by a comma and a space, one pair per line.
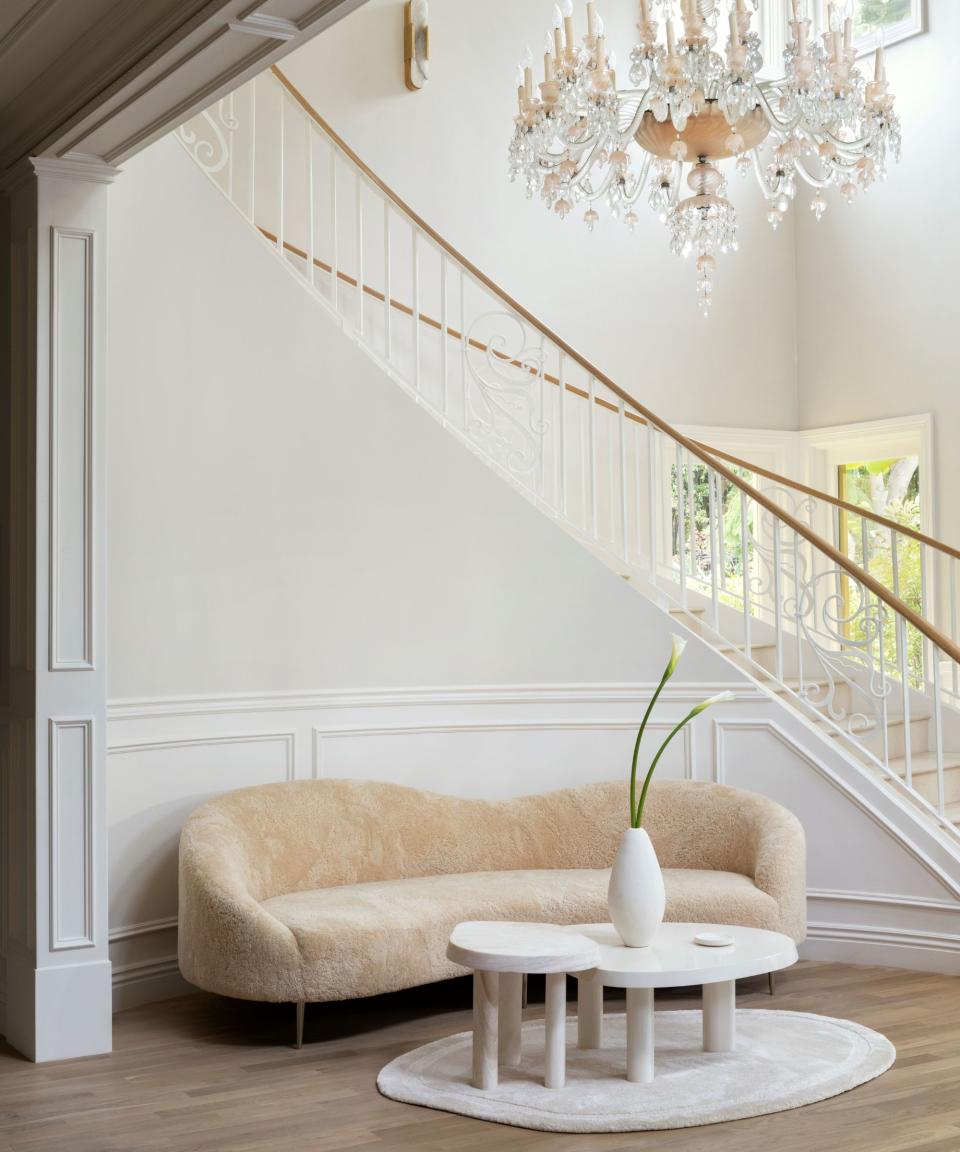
501, 953
674, 960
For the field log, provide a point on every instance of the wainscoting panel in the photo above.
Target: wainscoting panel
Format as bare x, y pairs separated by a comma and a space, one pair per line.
152, 786
875, 893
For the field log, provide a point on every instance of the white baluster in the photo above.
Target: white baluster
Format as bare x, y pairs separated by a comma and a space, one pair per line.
230, 142
745, 573
955, 670
681, 527
938, 731
283, 104
592, 457
884, 709
415, 313
562, 435
334, 233
444, 334
655, 495
721, 533
622, 425
387, 304
253, 151
925, 643
692, 517
716, 531
905, 695
798, 611
463, 353
311, 209
358, 223
777, 599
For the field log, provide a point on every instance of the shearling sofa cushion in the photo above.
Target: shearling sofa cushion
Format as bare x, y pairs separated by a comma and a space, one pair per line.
326, 890
394, 933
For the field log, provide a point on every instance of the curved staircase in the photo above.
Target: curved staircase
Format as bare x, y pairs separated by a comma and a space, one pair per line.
749, 560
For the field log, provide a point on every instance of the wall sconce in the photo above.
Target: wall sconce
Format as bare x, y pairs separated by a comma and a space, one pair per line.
416, 44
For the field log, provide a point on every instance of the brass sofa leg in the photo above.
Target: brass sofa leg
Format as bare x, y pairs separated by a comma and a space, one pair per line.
771, 983
301, 1012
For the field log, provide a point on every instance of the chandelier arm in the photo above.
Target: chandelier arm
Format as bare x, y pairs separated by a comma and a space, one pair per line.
785, 127
809, 178
768, 192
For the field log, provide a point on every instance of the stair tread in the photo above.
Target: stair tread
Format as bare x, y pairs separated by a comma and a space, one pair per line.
924, 762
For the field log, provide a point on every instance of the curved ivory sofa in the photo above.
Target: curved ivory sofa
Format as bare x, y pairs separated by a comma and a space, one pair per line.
333, 889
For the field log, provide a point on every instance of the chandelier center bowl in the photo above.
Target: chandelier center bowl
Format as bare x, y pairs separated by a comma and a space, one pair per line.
706, 134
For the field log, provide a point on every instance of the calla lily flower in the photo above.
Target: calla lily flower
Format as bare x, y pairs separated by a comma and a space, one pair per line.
637, 806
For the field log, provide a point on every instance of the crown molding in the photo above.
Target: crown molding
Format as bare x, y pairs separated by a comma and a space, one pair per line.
75, 167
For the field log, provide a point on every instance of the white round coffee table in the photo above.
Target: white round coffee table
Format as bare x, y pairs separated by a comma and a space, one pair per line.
673, 961
500, 954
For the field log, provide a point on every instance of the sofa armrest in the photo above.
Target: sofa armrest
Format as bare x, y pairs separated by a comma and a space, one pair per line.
227, 942
780, 865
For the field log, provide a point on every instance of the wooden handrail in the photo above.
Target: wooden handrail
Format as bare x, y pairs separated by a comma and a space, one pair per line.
855, 509
692, 447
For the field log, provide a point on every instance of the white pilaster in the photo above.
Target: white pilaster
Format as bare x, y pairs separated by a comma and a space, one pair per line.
58, 994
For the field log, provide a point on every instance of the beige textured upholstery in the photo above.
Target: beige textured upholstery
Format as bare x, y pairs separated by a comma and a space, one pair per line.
332, 889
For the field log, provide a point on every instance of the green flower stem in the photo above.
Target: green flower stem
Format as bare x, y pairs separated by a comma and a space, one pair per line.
634, 815
663, 747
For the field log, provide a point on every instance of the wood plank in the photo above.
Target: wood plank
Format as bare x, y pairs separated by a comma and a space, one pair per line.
204, 1074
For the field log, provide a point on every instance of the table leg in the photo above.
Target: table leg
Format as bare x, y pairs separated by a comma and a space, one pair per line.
720, 1016
640, 1035
589, 1012
555, 1027
511, 1018
485, 1006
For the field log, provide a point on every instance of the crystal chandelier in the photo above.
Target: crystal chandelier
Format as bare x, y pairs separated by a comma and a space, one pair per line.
692, 106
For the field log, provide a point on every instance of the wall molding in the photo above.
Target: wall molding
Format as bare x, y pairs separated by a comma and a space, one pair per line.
289, 739
322, 735
721, 727
60, 941
156, 707
61, 657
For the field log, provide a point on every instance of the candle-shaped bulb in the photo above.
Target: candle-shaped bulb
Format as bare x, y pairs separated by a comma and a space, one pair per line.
881, 65
558, 16
519, 75
527, 58
600, 25
568, 8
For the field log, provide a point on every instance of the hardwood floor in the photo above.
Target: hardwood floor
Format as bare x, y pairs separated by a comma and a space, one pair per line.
202, 1074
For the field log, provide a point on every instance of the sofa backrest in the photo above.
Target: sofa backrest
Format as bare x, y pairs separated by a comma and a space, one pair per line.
323, 833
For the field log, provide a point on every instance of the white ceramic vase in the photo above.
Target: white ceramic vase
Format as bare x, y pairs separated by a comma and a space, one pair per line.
636, 897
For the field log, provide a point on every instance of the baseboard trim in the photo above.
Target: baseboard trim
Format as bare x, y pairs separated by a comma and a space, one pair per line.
147, 981
882, 947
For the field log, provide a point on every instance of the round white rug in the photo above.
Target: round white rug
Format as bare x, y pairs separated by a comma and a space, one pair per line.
783, 1060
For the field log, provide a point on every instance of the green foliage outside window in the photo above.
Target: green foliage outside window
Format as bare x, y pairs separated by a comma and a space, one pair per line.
875, 15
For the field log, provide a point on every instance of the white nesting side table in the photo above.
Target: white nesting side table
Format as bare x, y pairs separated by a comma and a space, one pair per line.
673, 960
501, 954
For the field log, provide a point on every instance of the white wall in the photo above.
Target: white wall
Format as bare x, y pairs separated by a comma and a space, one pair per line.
622, 300
878, 304
308, 578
